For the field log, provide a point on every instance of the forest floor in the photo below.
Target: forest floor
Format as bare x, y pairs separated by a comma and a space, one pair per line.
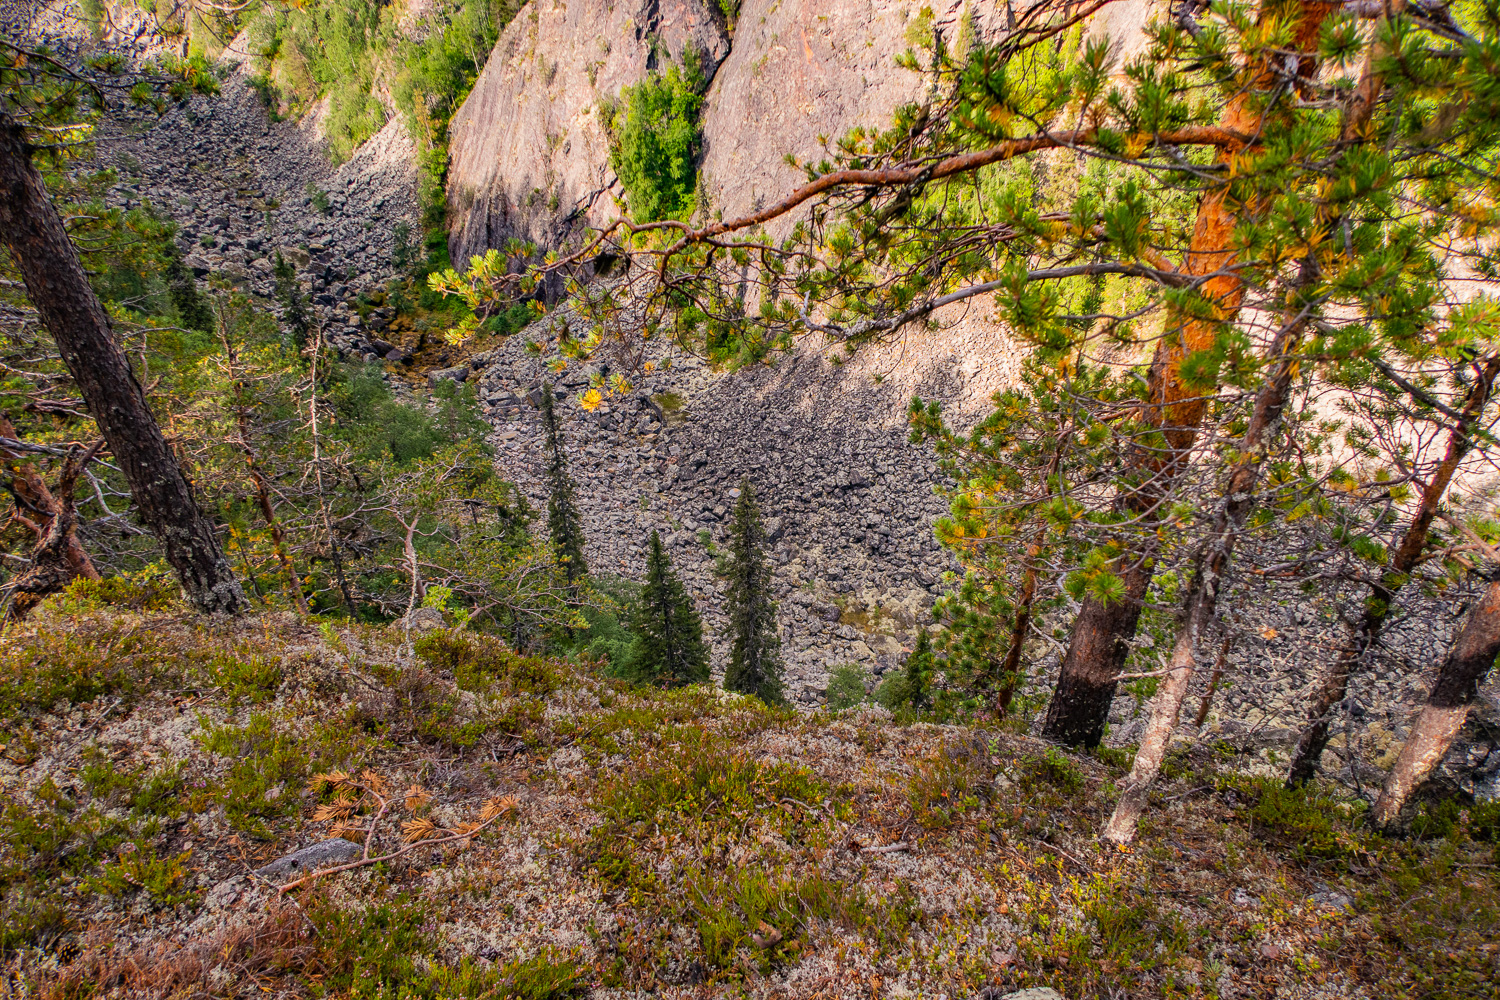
637, 842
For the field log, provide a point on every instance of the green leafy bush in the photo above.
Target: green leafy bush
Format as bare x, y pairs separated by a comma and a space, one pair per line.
1310, 824
268, 767
138, 868
846, 686
656, 138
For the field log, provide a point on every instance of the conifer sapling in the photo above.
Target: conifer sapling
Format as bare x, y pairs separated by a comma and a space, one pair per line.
754, 647
564, 524
673, 652
919, 670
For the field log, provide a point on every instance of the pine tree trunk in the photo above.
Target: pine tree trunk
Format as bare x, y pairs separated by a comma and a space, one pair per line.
1010, 667
1079, 709
60, 290
1365, 633
1447, 707
1203, 594
1101, 634
1202, 601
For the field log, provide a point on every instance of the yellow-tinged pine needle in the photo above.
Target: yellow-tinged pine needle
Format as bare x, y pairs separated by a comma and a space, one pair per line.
414, 830
507, 806
417, 797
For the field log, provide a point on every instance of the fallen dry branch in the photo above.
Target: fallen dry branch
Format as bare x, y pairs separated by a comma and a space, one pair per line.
417, 832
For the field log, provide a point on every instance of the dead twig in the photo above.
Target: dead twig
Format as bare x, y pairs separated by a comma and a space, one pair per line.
416, 830
899, 845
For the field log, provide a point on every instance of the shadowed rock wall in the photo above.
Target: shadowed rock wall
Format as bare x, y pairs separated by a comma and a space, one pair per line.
529, 156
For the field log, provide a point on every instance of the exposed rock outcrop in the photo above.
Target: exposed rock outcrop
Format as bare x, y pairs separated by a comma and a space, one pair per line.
802, 72
529, 154
530, 157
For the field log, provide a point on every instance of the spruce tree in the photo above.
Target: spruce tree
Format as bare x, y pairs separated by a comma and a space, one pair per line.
919, 670
564, 524
754, 648
673, 652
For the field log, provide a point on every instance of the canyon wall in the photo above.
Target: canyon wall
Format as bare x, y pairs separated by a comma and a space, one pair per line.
529, 154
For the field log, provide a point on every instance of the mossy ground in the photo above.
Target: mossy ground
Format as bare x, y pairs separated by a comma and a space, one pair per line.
678, 843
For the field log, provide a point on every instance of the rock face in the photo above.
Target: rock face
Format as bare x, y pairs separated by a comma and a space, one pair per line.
804, 69
529, 156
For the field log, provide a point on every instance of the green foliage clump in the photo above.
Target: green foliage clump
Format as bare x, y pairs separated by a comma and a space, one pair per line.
754, 646
1451, 817
319, 198
846, 686
1052, 768
139, 869
1302, 820
144, 790
363, 952
379, 427
149, 591
77, 666
672, 650
387, 949
295, 313
909, 693
609, 640
943, 789
268, 766
540, 977
188, 302
703, 781
483, 664
41, 841
656, 137
747, 905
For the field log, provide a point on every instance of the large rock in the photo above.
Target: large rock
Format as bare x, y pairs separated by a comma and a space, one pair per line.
324, 854
529, 155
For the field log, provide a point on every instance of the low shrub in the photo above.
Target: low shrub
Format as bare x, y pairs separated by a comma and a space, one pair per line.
847, 687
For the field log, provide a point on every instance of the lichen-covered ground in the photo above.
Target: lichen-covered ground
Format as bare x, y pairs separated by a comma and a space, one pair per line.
563, 834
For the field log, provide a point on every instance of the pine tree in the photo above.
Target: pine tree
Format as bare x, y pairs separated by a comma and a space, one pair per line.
34, 233
193, 311
673, 651
754, 647
564, 524
919, 670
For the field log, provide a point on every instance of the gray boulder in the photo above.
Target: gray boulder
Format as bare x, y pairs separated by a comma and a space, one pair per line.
324, 854
456, 374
